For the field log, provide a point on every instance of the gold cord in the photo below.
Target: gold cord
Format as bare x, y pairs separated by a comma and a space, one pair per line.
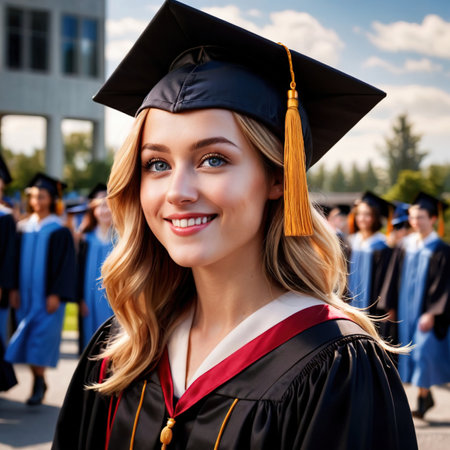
222, 428
137, 415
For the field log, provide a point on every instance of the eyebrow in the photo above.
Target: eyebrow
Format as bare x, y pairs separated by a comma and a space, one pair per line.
196, 146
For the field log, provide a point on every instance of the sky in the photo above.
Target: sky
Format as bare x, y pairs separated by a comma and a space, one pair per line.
399, 46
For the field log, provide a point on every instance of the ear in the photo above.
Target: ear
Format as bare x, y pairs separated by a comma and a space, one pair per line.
276, 187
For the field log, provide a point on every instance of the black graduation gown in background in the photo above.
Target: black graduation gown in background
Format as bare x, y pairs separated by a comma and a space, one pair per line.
328, 387
436, 296
7, 256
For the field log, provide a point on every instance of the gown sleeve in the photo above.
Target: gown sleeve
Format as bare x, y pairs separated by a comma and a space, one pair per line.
7, 251
61, 269
348, 397
390, 290
83, 417
81, 267
380, 264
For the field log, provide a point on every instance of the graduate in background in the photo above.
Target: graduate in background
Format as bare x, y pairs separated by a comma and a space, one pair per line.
337, 217
370, 254
229, 329
417, 289
7, 276
46, 281
400, 225
95, 243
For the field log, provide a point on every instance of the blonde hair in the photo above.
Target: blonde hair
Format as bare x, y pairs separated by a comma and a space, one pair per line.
148, 291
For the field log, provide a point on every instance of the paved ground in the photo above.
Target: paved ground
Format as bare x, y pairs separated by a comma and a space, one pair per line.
31, 428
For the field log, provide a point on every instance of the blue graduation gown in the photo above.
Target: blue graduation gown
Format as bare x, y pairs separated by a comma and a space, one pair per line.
423, 272
93, 252
368, 265
47, 266
7, 267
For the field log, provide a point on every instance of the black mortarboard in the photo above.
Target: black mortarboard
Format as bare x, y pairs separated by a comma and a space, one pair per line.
430, 203
4, 172
97, 189
383, 207
342, 209
400, 214
52, 185
186, 59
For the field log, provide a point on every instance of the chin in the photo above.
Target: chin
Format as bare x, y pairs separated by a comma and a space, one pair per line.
188, 259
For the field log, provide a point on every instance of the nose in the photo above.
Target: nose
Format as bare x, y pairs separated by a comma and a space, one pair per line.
183, 186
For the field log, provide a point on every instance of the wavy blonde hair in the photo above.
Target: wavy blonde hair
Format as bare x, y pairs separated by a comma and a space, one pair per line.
148, 291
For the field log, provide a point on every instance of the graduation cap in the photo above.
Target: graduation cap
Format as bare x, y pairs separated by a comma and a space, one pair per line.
341, 209
400, 214
98, 189
434, 206
4, 172
53, 186
186, 59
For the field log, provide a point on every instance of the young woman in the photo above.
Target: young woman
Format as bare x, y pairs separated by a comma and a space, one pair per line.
228, 333
95, 245
46, 281
370, 254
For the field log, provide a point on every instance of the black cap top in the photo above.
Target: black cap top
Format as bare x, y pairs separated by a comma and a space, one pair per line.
187, 59
429, 203
381, 205
52, 185
401, 213
4, 172
99, 190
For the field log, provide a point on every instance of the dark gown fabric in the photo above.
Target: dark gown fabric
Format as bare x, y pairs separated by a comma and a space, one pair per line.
330, 386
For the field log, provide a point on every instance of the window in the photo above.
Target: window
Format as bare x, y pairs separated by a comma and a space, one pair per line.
79, 46
27, 35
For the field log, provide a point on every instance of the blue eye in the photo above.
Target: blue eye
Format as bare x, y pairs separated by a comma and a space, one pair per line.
213, 161
157, 166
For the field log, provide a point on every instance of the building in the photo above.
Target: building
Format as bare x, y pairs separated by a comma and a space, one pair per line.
51, 63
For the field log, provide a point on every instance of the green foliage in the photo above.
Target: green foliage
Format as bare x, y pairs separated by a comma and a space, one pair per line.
371, 180
402, 149
337, 180
22, 168
409, 184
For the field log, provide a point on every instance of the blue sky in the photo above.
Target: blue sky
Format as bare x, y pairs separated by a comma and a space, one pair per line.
402, 47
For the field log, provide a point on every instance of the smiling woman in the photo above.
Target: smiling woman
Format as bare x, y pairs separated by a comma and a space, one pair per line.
229, 330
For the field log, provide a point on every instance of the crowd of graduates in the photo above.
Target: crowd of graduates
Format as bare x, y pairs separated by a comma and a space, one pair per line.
48, 257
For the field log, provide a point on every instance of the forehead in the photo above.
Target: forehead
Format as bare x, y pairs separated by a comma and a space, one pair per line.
416, 211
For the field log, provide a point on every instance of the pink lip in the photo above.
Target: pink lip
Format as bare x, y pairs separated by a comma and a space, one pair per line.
187, 231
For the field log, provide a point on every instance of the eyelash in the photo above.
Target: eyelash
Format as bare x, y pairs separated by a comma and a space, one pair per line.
150, 163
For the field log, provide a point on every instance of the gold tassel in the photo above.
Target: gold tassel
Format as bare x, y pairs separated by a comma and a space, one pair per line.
389, 226
441, 223
297, 211
59, 201
166, 434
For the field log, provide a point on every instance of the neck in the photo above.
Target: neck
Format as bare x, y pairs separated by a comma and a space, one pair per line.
103, 229
366, 234
228, 294
425, 234
42, 214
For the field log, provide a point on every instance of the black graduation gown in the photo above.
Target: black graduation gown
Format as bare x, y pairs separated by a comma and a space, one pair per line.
436, 297
328, 386
7, 256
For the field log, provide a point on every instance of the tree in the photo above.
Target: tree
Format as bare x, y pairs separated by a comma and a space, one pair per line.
370, 177
409, 184
356, 180
337, 180
402, 149
316, 178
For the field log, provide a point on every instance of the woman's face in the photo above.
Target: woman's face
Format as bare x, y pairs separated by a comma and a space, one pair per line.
203, 187
364, 217
102, 213
40, 200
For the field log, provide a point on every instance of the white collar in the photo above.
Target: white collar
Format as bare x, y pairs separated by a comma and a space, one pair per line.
415, 242
34, 224
358, 242
250, 328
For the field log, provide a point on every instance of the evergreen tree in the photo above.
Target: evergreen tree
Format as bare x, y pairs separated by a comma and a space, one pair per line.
402, 149
337, 180
370, 177
356, 180
316, 178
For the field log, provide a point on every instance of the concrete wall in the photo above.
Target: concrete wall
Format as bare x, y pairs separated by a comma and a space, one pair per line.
53, 94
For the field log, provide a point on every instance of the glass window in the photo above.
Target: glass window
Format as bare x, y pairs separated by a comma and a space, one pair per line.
89, 47
69, 45
27, 35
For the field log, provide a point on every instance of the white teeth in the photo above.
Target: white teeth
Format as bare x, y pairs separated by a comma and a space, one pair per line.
184, 223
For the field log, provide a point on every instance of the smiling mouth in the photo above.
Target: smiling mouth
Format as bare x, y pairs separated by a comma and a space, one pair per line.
191, 221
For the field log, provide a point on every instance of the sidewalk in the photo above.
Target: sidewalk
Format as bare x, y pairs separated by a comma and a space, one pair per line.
31, 428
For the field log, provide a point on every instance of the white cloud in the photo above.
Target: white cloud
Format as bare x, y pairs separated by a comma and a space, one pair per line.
409, 66
431, 37
299, 31
428, 110
116, 50
254, 13
124, 27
